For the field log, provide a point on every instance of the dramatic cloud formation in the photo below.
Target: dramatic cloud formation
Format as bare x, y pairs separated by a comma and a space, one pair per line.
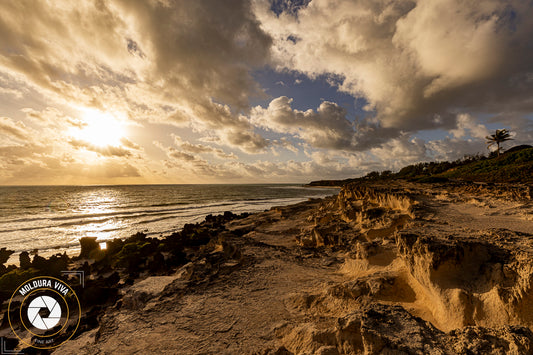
416, 63
255, 90
130, 54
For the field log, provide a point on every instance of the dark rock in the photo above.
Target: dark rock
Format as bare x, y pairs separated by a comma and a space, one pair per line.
112, 279
86, 268
131, 256
387, 329
279, 351
137, 237
103, 266
177, 257
24, 260
53, 265
88, 244
97, 254
228, 215
89, 320
39, 262
96, 295
58, 263
12, 279
4, 255
157, 262
114, 246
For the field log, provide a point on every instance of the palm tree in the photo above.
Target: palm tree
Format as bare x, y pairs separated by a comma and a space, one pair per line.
497, 138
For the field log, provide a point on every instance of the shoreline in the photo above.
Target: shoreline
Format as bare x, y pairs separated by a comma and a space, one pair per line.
349, 258
122, 223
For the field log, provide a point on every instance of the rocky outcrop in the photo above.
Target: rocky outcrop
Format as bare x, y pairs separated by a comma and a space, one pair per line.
386, 329
472, 281
432, 280
356, 195
359, 212
128, 274
88, 245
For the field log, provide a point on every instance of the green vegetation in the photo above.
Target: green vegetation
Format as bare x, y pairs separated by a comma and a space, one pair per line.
515, 165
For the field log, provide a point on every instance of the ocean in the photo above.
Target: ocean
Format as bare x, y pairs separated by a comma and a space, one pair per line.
52, 219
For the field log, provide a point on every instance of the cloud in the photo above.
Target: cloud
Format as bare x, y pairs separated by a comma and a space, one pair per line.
16, 93
285, 143
192, 166
129, 144
401, 151
13, 129
52, 117
287, 6
17, 152
188, 68
520, 125
142, 58
173, 153
73, 173
210, 53
319, 165
201, 148
466, 125
113, 169
417, 63
247, 141
327, 127
108, 151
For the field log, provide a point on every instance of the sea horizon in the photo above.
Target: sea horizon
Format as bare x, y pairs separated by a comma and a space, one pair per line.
163, 184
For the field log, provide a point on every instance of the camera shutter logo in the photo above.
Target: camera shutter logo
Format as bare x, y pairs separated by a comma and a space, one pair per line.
44, 312
44, 302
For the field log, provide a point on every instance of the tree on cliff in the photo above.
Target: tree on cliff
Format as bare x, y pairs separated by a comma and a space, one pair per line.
497, 138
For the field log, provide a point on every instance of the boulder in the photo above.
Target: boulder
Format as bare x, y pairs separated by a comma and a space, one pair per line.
5, 254
24, 260
88, 244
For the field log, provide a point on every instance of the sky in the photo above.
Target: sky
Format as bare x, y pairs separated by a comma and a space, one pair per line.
255, 91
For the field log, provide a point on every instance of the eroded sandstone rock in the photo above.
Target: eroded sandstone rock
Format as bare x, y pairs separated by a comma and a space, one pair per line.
471, 281
387, 329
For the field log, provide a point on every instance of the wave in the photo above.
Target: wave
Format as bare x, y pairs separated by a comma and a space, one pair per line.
141, 213
132, 216
23, 229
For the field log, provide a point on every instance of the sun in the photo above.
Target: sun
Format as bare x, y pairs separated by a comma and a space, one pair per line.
99, 128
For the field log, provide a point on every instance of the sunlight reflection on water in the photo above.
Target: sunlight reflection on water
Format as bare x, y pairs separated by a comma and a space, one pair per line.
52, 219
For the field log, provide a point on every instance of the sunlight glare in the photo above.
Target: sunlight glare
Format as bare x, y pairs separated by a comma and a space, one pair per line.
101, 129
